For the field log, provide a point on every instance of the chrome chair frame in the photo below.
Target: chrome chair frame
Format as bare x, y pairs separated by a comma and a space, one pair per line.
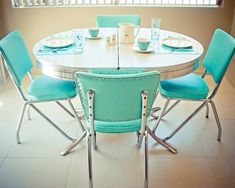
30, 103
139, 137
205, 102
142, 134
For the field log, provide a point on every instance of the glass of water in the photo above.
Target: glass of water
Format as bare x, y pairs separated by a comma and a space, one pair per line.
155, 29
78, 36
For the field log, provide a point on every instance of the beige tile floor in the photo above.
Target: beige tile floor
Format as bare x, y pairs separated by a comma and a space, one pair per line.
36, 163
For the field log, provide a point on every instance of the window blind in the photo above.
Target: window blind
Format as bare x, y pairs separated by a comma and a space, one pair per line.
74, 3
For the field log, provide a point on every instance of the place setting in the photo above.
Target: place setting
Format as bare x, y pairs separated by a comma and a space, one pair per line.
64, 43
166, 45
173, 44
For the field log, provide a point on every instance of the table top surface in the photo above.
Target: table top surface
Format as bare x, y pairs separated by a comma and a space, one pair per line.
97, 54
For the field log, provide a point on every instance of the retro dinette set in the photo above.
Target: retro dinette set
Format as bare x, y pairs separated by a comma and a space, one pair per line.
117, 69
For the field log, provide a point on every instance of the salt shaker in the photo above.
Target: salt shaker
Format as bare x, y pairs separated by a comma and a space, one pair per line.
111, 40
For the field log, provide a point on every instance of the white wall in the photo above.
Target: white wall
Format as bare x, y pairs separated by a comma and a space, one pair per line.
231, 71
2, 31
2, 25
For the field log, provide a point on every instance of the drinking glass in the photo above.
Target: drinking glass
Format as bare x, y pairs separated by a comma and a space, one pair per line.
78, 36
155, 28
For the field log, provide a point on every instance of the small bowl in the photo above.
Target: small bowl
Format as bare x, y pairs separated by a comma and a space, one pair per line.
143, 43
94, 32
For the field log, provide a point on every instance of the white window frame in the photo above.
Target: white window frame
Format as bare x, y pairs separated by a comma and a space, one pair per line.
122, 3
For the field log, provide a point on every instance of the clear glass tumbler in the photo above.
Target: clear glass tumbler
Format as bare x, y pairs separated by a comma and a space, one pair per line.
78, 36
155, 28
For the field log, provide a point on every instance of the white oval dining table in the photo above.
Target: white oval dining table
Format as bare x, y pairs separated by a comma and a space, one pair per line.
97, 54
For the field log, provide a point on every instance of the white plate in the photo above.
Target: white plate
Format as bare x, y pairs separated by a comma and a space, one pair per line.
58, 42
150, 49
93, 38
177, 42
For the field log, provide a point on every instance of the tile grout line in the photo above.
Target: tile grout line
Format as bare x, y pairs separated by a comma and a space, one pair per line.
6, 156
70, 164
2, 162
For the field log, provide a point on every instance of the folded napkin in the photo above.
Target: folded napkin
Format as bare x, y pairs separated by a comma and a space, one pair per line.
165, 49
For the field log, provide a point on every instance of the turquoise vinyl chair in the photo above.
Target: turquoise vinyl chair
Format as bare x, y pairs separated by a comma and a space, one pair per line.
41, 89
193, 87
117, 104
112, 21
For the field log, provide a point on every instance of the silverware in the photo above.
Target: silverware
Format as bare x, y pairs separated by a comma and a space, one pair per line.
53, 50
181, 50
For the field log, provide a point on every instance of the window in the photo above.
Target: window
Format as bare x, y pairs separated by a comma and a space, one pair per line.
74, 3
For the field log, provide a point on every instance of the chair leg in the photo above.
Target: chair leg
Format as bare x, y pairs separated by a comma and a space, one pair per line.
146, 160
185, 121
94, 141
207, 110
65, 109
80, 113
137, 135
171, 107
217, 121
28, 110
74, 144
51, 122
140, 140
158, 140
153, 110
76, 116
90, 162
161, 115
20, 123
166, 112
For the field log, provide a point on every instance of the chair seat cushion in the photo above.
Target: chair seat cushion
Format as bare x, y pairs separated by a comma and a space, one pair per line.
45, 88
117, 127
190, 86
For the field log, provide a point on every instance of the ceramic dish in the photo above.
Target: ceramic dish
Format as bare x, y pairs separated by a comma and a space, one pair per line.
93, 38
150, 49
58, 42
177, 42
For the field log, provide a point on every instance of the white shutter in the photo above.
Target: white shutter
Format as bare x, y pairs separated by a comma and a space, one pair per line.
74, 3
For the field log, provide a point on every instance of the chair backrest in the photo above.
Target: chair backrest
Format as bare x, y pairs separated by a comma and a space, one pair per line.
219, 54
16, 56
114, 20
117, 97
